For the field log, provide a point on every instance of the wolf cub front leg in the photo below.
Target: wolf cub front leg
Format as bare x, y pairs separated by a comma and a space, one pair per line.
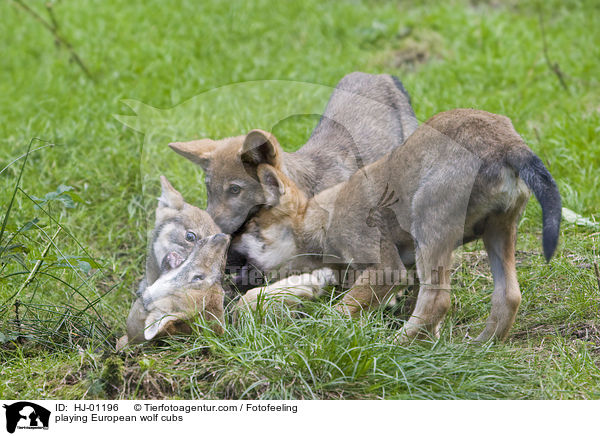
433, 300
289, 291
375, 284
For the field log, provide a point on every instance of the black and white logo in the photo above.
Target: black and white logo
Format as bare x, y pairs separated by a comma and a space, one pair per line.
26, 415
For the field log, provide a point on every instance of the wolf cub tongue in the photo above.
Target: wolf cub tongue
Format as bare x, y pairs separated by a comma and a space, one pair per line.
172, 260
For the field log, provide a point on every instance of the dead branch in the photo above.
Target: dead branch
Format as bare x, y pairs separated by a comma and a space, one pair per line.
554, 67
53, 28
597, 274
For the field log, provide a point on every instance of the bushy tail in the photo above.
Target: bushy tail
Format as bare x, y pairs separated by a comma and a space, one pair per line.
537, 178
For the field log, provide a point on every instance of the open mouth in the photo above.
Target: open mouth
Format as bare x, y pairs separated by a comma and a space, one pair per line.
171, 261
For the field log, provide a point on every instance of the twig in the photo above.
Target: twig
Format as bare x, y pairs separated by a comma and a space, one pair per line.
18, 322
597, 274
554, 67
53, 28
51, 15
37, 265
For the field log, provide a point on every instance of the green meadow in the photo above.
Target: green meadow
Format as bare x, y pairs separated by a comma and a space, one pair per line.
92, 91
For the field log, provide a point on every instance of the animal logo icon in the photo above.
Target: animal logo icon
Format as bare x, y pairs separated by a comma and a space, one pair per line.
24, 414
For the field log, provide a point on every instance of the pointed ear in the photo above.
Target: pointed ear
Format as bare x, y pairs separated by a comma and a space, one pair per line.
169, 196
157, 323
198, 151
272, 184
261, 147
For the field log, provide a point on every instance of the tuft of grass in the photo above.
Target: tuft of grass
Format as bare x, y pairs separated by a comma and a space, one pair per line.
31, 260
318, 354
112, 375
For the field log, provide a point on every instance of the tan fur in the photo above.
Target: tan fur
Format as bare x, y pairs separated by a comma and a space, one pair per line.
173, 313
177, 297
454, 180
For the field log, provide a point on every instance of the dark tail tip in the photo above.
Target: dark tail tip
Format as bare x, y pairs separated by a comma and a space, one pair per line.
550, 239
538, 179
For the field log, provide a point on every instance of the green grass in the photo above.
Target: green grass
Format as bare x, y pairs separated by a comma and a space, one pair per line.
487, 55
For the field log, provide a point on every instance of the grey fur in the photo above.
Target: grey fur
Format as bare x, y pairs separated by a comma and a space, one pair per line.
366, 117
174, 218
191, 289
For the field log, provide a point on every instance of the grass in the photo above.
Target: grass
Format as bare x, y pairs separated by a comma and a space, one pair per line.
164, 72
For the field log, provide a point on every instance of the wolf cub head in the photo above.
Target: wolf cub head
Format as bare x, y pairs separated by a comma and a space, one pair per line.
268, 239
193, 288
230, 166
177, 227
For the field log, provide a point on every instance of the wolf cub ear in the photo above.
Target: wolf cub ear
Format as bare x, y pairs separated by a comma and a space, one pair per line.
157, 323
261, 147
198, 151
169, 196
271, 183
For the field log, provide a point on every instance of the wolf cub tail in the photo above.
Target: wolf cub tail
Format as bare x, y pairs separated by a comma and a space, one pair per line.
532, 171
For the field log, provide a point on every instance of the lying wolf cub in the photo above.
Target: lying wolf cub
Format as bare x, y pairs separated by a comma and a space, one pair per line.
463, 175
180, 252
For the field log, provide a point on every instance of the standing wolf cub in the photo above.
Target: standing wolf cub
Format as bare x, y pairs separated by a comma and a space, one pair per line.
366, 117
463, 175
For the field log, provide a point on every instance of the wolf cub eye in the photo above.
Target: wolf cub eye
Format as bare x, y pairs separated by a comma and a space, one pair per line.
198, 278
235, 189
190, 237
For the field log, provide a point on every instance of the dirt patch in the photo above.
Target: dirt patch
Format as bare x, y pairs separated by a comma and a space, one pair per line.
150, 385
411, 50
410, 57
588, 332
150, 376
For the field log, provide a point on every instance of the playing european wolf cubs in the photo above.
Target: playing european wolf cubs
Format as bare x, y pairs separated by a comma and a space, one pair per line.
366, 117
178, 227
464, 174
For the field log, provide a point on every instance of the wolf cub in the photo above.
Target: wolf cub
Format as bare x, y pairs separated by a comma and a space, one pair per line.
180, 251
464, 174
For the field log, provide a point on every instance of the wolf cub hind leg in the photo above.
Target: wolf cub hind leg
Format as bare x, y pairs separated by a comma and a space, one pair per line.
499, 239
